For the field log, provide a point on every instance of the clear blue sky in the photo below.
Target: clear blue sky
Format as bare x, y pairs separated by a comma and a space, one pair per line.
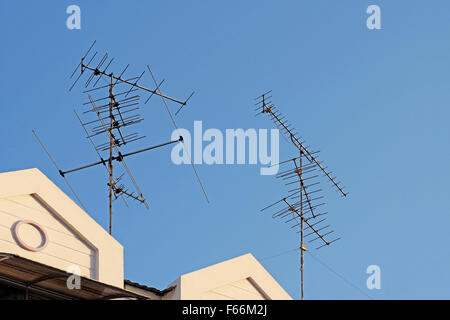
375, 103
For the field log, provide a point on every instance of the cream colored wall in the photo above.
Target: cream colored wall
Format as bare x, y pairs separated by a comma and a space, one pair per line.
73, 235
239, 290
64, 248
239, 278
142, 292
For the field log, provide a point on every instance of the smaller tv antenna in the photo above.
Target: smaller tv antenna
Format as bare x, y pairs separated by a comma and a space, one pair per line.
111, 115
266, 106
303, 206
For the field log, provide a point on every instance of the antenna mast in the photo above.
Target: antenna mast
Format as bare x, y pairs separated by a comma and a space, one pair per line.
111, 145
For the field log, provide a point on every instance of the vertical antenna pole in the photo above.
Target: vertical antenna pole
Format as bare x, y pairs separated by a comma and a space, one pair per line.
302, 251
110, 161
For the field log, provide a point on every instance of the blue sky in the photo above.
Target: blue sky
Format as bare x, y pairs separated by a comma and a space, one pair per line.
375, 102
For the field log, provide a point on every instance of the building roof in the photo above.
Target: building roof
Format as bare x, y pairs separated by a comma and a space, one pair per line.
151, 289
39, 278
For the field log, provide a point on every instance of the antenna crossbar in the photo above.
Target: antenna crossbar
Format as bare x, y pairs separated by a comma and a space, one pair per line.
120, 157
298, 144
133, 84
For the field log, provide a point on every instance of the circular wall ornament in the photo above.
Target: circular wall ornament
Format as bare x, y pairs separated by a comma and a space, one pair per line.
21, 243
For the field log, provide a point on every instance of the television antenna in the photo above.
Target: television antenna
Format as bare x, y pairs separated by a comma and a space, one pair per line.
112, 114
302, 207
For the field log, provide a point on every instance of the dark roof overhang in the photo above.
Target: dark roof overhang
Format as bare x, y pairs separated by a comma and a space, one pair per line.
39, 278
151, 289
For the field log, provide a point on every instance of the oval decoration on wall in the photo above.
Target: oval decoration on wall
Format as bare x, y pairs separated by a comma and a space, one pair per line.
16, 234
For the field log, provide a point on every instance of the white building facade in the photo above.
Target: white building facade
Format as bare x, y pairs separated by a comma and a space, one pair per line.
51, 249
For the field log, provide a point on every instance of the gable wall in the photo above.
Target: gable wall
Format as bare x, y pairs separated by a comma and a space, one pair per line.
64, 248
239, 290
73, 236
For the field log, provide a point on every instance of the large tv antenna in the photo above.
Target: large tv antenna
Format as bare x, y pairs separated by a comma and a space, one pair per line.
303, 206
111, 114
